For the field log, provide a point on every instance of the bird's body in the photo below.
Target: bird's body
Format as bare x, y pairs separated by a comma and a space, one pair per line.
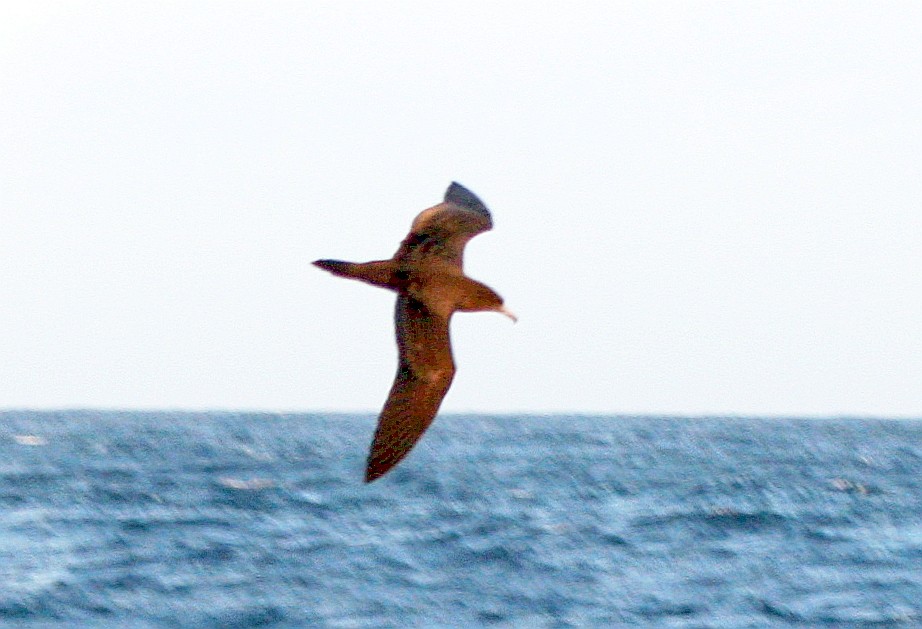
427, 274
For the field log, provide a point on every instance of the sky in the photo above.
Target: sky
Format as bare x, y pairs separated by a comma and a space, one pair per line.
699, 207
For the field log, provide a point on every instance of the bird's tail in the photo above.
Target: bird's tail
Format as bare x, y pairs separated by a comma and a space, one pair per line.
379, 273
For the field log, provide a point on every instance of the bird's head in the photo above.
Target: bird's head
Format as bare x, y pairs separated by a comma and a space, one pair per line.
482, 298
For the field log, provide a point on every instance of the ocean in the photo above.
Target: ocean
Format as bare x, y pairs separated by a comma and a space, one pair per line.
178, 519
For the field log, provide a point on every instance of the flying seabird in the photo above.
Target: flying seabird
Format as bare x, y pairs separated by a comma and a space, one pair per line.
427, 275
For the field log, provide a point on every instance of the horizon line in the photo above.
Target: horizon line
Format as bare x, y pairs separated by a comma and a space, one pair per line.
524, 413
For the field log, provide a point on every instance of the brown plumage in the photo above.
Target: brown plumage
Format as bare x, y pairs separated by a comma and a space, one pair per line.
427, 274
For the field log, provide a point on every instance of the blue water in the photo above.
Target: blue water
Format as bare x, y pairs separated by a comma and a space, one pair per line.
243, 520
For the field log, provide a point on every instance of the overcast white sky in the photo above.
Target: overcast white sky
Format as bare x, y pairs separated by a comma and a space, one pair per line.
699, 207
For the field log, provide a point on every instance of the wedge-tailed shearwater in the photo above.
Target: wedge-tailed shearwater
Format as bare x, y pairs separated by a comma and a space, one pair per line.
427, 275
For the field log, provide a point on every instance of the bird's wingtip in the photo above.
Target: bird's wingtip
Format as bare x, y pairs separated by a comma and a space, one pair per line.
372, 474
459, 195
327, 265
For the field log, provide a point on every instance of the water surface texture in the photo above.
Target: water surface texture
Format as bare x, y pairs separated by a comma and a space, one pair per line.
128, 519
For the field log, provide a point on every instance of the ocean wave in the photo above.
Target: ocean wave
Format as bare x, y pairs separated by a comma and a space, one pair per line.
218, 520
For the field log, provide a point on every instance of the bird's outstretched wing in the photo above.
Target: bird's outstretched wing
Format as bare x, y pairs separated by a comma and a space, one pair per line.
424, 374
444, 229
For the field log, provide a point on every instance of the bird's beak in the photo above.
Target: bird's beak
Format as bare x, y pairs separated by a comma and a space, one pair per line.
508, 313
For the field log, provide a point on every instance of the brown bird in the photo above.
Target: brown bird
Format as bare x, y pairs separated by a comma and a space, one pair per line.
427, 275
